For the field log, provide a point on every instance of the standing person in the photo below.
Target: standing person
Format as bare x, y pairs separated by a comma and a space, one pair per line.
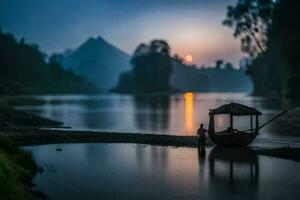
201, 136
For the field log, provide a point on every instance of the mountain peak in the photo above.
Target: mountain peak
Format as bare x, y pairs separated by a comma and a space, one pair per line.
94, 40
99, 61
99, 38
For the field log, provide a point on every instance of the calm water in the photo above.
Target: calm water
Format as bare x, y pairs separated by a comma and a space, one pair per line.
174, 114
129, 171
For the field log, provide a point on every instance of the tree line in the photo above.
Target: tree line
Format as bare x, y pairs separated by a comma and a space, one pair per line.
24, 69
269, 32
154, 70
220, 77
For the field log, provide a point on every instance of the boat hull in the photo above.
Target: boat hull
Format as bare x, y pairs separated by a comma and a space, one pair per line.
240, 139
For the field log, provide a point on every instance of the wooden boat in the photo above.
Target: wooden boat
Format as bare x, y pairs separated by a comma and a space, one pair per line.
236, 139
232, 137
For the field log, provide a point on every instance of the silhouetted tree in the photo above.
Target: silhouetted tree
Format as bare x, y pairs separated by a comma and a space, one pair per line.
219, 64
251, 20
285, 45
273, 27
178, 59
228, 66
152, 67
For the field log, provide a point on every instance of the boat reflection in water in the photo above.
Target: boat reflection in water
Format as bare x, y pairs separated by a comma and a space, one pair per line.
231, 170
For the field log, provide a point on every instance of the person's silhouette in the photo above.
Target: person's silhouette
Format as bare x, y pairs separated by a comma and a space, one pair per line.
201, 136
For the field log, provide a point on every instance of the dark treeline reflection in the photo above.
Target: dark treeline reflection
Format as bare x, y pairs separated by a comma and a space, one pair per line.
157, 157
152, 112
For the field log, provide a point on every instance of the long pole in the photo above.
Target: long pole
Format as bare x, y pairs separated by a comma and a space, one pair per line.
269, 121
272, 119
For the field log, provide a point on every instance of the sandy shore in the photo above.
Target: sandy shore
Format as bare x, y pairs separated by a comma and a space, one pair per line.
27, 137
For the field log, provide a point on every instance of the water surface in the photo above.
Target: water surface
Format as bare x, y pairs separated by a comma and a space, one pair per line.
132, 171
178, 114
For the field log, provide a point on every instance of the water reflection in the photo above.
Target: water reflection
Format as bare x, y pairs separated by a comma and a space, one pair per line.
189, 113
127, 171
152, 112
234, 171
201, 154
176, 114
156, 157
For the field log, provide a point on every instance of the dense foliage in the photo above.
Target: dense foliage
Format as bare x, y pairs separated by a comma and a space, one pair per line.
23, 70
152, 68
275, 68
251, 20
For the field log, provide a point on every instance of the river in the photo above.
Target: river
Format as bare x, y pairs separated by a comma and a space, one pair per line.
178, 114
135, 171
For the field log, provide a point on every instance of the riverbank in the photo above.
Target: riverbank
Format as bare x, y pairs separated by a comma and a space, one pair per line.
17, 169
29, 137
26, 129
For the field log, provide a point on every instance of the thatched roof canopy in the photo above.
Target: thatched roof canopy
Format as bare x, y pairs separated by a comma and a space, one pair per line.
235, 109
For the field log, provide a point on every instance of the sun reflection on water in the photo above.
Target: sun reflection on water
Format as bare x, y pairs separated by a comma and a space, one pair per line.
189, 113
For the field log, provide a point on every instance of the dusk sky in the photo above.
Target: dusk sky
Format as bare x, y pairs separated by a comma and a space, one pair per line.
190, 26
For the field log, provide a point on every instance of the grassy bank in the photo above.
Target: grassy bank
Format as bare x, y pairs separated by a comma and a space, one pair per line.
17, 169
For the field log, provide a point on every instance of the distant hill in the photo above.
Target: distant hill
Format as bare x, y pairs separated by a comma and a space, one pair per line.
24, 70
98, 61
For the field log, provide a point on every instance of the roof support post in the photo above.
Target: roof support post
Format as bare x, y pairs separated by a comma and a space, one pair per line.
231, 121
211, 128
257, 124
251, 122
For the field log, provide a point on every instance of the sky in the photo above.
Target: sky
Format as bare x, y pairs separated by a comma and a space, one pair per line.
190, 26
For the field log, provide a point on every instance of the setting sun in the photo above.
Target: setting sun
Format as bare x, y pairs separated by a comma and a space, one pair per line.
188, 58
